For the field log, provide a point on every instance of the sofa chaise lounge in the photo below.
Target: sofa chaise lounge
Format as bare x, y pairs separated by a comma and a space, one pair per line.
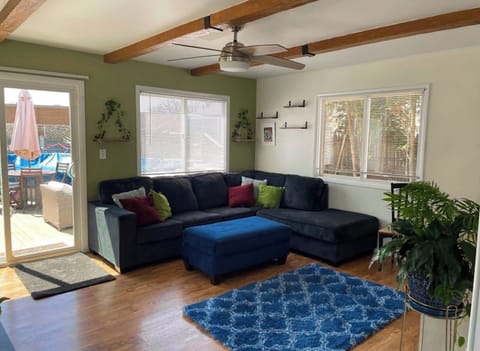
330, 234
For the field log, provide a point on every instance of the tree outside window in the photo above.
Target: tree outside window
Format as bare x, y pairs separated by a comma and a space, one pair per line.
372, 136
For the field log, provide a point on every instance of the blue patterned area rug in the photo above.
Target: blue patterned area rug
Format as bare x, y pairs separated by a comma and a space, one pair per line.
310, 308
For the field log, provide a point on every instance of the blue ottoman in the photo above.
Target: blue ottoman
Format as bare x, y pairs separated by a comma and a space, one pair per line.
225, 247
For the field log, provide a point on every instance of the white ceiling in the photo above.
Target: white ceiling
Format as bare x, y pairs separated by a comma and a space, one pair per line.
102, 26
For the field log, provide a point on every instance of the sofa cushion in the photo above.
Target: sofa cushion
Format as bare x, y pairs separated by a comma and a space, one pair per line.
332, 225
167, 230
58, 187
210, 190
106, 188
178, 191
232, 179
269, 196
192, 218
241, 195
276, 179
300, 192
161, 204
255, 182
143, 208
140, 192
228, 213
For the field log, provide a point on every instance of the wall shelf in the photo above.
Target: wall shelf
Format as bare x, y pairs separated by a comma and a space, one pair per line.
243, 140
111, 140
290, 105
285, 126
267, 117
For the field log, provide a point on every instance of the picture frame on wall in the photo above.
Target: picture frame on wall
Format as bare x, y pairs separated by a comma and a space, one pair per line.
268, 133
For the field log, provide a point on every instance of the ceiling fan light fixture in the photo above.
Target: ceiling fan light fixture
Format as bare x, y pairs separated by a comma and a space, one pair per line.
234, 66
231, 60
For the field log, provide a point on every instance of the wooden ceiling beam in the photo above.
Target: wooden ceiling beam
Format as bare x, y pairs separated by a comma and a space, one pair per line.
395, 31
14, 13
236, 15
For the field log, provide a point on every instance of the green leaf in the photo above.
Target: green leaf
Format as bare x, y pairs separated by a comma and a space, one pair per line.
461, 341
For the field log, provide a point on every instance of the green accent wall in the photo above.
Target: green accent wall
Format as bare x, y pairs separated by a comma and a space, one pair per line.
118, 81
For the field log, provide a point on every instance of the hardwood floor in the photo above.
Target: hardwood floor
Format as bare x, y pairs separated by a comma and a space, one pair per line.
31, 234
142, 310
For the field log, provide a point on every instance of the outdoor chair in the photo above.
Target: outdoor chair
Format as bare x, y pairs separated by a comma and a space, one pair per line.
57, 205
30, 180
388, 232
13, 187
61, 172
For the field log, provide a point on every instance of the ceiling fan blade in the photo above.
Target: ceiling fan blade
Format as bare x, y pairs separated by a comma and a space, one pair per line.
261, 50
196, 47
192, 57
277, 61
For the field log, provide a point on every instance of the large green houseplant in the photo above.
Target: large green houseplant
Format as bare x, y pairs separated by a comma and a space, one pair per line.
437, 243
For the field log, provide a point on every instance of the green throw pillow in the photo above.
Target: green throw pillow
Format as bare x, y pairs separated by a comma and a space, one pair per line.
269, 196
160, 202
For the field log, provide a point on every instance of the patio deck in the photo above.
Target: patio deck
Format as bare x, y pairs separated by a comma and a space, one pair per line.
31, 234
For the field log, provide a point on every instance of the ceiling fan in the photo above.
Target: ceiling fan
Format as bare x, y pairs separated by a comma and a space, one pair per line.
236, 57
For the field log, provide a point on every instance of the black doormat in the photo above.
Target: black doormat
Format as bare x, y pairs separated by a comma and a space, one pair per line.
57, 275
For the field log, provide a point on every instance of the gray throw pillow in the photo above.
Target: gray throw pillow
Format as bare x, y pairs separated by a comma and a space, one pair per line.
255, 182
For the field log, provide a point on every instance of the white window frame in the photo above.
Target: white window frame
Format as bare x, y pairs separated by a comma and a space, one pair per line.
362, 180
184, 94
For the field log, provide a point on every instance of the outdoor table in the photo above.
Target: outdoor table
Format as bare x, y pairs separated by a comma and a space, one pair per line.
16, 173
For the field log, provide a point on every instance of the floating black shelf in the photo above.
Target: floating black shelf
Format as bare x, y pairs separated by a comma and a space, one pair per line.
285, 126
243, 140
267, 117
290, 105
111, 140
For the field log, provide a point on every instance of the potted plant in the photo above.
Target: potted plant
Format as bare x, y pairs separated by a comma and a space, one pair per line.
242, 128
112, 110
435, 248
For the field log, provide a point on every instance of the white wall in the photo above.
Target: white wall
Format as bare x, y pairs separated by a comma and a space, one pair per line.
452, 156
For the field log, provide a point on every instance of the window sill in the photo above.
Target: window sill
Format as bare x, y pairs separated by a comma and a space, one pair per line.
372, 184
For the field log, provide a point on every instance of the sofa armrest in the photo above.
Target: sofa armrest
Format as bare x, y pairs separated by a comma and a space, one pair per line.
112, 234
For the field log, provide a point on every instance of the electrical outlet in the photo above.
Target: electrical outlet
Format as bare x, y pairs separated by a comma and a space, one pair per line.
103, 154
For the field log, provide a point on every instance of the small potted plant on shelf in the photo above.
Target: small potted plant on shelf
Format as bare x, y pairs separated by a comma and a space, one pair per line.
242, 129
435, 248
112, 109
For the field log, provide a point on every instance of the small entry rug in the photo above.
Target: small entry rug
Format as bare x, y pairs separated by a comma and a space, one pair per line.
310, 308
58, 275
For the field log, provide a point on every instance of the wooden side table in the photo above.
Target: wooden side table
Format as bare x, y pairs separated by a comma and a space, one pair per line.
385, 232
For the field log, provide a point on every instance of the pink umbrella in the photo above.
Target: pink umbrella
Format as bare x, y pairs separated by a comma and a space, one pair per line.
25, 133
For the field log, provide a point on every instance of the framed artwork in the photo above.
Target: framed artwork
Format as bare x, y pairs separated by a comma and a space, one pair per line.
268, 133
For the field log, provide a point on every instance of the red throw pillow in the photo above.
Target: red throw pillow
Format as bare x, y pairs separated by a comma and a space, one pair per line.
241, 196
143, 208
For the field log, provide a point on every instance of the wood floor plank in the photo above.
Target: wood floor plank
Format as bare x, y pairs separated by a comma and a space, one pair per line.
142, 310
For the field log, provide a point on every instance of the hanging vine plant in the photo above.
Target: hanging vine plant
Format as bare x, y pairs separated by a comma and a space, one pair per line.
112, 110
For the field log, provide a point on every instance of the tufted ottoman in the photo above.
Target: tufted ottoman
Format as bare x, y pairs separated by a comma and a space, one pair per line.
228, 246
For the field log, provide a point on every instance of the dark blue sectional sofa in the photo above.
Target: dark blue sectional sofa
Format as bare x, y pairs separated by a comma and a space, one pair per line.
329, 234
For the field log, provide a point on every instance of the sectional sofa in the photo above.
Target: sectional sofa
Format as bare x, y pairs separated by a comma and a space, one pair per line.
330, 234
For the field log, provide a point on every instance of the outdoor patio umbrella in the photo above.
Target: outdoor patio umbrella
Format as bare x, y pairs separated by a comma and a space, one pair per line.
24, 141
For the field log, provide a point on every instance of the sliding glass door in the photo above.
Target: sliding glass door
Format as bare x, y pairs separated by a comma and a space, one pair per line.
41, 124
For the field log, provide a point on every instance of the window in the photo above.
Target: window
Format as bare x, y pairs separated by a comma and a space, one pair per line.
181, 132
375, 135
